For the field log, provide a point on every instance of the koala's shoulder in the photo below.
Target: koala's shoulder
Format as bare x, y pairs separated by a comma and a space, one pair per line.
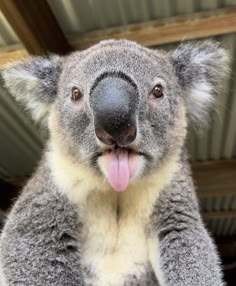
41, 207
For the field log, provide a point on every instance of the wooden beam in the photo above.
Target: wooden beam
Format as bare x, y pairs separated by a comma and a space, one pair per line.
193, 26
170, 30
219, 214
215, 178
35, 25
230, 266
12, 56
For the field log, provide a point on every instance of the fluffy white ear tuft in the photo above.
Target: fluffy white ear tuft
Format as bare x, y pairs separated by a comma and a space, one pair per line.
34, 84
201, 68
200, 101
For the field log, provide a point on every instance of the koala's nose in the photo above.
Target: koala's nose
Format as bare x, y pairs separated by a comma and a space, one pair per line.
114, 102
125, 138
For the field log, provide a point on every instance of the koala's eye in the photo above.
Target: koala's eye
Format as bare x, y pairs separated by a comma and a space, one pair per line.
75, 93
157, 91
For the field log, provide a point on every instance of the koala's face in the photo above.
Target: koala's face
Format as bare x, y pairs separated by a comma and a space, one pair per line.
120, 108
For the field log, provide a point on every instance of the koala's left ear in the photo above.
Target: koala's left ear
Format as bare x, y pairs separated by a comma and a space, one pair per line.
201, 68
33, 83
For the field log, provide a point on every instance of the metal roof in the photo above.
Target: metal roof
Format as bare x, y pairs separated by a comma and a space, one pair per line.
220, 226
75, 16
82, 16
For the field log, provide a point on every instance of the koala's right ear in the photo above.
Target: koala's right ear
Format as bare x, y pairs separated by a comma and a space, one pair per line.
33, 83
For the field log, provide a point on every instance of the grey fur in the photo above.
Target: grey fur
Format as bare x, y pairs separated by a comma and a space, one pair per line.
188, 253
53, 258
41, 243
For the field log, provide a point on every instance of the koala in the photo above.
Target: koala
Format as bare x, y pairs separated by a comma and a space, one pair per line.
112, 202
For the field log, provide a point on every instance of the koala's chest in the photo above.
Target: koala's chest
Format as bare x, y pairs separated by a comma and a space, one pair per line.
115, 243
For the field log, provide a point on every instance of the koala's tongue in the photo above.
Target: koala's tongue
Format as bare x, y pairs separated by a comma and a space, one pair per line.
118, 169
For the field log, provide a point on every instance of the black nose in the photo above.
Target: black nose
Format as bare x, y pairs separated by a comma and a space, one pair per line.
123, 138
114, 102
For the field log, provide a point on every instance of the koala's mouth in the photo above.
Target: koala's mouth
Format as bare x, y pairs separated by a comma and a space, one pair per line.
120, 165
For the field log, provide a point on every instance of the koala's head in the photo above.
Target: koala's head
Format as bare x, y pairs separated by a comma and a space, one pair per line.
117, 107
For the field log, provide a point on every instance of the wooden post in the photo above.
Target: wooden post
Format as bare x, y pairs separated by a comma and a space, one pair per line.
35, 25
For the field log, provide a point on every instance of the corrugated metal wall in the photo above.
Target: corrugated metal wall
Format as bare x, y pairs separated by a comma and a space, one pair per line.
220, 226
20, 142
86, 15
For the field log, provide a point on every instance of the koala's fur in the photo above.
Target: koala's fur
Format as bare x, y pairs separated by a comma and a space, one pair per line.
69, 227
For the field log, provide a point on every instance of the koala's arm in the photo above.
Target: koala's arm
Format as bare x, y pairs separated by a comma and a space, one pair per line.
39, 244
187, 254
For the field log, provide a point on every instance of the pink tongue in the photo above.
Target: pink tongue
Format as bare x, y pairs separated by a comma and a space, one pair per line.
118, 170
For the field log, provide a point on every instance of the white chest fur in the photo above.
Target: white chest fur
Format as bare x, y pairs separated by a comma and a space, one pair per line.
115, 242
114, 239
